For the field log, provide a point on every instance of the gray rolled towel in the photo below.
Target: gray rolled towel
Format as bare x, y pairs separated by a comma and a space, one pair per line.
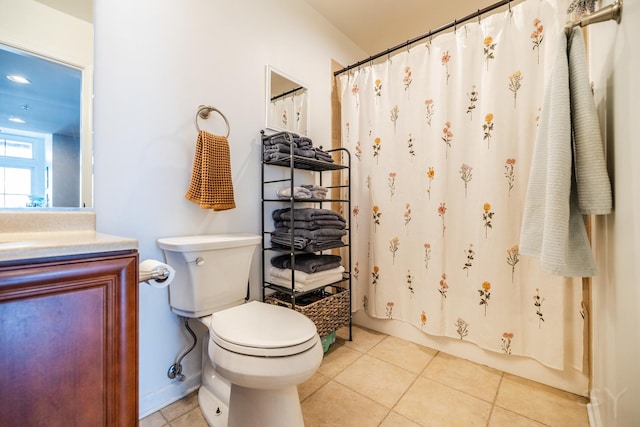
280, 138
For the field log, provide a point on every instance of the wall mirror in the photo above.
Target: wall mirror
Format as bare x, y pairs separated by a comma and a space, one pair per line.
46, 155
286, 103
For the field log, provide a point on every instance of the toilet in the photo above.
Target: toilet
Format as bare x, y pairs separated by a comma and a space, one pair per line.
255, 354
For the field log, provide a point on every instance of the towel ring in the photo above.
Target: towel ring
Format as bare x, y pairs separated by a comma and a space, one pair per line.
204, 111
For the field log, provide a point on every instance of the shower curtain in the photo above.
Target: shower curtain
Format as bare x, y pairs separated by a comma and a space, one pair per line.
442, 136
289, 112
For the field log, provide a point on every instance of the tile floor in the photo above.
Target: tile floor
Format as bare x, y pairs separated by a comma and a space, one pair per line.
380, 380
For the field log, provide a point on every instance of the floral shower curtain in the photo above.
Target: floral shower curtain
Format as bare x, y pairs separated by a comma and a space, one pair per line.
290, 112
443, 136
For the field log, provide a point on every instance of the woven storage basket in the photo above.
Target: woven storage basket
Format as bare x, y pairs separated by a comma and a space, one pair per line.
329, 311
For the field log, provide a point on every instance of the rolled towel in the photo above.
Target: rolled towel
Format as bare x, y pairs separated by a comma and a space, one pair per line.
298, 193
280, 138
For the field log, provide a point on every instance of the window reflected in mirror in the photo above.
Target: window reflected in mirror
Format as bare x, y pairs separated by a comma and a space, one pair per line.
40, 133
286, 103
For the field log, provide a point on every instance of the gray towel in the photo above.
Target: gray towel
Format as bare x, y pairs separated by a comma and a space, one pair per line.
311, 225
552, 226
280, 138
309, 263
593, 186
306, 214
319, 234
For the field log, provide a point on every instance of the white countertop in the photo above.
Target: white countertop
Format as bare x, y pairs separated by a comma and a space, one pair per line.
44, 234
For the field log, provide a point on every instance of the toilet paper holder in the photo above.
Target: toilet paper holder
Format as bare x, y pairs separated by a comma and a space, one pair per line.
159, 275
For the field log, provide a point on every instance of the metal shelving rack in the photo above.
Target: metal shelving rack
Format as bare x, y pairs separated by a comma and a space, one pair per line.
299, 163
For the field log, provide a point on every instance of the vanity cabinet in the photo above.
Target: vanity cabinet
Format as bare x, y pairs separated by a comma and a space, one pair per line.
327, 305
69, 341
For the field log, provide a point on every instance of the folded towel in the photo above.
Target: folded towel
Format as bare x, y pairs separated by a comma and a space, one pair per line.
280, 240
322, 155
311, 225
300, 276
211, 185
306, 214
593, 186
275, 156
552, 226
308, 263
310, 246
303, 287
321, 234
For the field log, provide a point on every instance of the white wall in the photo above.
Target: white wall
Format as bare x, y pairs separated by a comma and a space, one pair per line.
615, 60
155, 62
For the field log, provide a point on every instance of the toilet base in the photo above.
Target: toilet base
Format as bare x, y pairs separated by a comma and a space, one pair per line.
268, 408
215, 412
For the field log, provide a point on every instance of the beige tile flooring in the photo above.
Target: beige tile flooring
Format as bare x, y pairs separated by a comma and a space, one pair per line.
380, 380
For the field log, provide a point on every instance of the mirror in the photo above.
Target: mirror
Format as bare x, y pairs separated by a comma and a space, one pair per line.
46, 155
286, 103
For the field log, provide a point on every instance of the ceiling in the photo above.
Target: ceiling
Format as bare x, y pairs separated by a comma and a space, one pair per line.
49, 104
374, 26
378, 25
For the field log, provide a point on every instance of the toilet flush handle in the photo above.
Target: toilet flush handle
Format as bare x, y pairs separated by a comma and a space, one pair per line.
198, 261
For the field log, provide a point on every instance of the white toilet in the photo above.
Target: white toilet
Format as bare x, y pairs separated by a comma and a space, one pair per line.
256, 353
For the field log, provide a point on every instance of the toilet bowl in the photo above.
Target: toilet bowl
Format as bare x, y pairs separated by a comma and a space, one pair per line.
254, 354
263, 351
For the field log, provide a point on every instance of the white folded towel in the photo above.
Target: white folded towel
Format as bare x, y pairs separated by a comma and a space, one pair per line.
301, 277
552, 225
309, 285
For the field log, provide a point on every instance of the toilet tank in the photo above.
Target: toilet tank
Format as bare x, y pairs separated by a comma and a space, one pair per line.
212, 271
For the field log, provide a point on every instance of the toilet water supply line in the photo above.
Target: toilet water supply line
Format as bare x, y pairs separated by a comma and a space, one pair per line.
175, 370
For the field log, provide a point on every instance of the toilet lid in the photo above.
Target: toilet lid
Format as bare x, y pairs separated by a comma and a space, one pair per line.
262, 329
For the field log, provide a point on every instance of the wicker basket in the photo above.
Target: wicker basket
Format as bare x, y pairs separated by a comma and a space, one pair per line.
329, 311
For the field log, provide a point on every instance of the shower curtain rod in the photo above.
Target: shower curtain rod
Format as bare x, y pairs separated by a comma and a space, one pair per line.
612, 11
294, 90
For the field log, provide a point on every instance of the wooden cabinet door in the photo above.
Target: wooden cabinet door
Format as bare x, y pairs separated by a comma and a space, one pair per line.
69, 342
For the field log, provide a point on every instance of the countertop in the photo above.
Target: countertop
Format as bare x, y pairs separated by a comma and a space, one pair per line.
44, 234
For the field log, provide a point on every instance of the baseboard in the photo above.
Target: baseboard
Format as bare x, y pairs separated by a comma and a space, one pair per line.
158, 399
593, 410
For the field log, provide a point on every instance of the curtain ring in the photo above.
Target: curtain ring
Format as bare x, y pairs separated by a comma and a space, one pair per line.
455, 26
478, 16
509, 6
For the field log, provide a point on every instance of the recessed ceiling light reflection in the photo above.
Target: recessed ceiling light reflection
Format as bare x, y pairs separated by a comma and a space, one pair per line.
18, 79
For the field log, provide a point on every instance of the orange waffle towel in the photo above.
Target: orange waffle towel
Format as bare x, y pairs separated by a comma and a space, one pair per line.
211, 186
